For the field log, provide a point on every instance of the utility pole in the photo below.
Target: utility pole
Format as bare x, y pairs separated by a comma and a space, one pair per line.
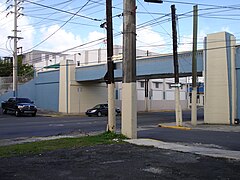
15, 49
111, 86
178, 110
129, 96
194, 67
15, 61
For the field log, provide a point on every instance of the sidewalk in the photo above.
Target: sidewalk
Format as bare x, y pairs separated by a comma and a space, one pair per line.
206, 127
187, 140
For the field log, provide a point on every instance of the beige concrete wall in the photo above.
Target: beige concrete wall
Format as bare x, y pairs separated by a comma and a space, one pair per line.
217, 100
62, 87
75, 97
166, 105
92, 94
234, 79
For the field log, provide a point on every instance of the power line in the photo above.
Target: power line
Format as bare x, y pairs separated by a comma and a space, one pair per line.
93, 19
60, 26
155, 19
201, 4
59, 20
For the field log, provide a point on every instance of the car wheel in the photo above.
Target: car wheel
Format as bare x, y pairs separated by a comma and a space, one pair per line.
17, 113
99, 114
4, 111
33, 114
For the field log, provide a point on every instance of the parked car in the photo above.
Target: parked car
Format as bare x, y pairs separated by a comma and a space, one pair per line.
19, 106
100, 110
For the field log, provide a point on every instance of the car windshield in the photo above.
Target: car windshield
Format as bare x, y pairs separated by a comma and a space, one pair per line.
97, 106
100, 106
23, 100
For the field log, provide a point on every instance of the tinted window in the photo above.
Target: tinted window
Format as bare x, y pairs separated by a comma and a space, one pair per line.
24, 100
11, 100
97, 106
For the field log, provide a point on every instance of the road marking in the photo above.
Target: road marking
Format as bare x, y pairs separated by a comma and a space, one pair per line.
56, 125
111, 162
154, 170
212, 152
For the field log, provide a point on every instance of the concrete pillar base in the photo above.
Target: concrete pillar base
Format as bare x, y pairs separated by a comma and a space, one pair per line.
178, 109
129, 110
194, 107
111, 108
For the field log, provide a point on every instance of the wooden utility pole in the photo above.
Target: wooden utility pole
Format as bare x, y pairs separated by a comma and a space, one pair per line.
178, 110
111, 98
129, 97
194, 67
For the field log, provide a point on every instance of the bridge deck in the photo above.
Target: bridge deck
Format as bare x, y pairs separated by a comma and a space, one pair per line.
147, 67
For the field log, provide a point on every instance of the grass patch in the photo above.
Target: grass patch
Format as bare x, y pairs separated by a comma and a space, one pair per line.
65, 143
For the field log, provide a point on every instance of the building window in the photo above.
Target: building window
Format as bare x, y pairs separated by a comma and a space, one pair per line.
142, 84
157, 84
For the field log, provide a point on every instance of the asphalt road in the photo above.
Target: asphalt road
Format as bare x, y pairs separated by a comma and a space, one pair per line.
27, 126
21, 127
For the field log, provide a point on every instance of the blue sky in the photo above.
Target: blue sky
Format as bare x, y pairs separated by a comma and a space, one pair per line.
41, 18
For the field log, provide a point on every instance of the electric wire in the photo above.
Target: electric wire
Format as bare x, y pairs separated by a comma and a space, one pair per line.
154, 19
74, 14
60, 27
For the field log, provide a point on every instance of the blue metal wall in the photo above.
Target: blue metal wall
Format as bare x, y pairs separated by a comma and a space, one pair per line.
238, 80
26, 90
47, 90
43, 90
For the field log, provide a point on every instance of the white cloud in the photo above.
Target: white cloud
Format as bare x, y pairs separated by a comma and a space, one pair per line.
6, 29
6, 26
227, 29
64, 39
185, 43
93, 36
59, 41
147, 39
27, 32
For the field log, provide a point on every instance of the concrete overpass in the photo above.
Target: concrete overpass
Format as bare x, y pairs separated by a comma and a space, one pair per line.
147, 68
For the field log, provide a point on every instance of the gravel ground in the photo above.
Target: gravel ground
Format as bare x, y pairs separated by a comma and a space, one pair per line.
118, 161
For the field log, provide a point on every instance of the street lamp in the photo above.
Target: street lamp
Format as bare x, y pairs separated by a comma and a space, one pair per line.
154, 1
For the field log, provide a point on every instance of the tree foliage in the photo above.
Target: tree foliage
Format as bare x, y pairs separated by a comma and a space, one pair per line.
6, 68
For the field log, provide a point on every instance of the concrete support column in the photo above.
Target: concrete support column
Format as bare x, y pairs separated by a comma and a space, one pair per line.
129, 111
146, 95
220, 73
69, 92
194, 107
178, 110
111, 108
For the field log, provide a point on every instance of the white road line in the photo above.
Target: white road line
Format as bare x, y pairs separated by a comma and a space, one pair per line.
56, 125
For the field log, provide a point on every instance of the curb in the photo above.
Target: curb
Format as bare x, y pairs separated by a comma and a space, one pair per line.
174, 127
211, 152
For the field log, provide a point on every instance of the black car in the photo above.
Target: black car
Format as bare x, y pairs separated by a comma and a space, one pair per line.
100, 110
19, 106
